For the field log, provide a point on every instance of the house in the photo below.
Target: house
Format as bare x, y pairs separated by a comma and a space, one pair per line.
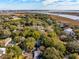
2, 51
15, 18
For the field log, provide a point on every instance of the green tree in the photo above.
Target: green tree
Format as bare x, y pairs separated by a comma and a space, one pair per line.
13, 27
17, 39
36, 34
29, 43
32, 33
52, 40
73, 47
13, 52
73, 56
51, 53
17, 51
7, 32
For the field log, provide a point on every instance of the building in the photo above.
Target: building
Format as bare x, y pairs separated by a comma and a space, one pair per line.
2, 51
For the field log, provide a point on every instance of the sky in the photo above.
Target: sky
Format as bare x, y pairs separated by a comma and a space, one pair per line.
39, 4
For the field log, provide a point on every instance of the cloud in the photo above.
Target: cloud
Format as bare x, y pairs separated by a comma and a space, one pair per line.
25, 0
47, 2
41, 4
20, 0
61, 4
50, 2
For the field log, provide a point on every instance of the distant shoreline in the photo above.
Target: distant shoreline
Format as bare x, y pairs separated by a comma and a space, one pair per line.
57, 18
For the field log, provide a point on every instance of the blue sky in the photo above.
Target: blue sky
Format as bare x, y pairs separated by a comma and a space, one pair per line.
39, 4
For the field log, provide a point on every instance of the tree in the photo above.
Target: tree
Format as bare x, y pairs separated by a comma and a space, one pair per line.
30, 43
16, 33
73, 47
31, 33
17, 51
27, 32
51, 53
52, 40
13, 52
73, 56
7, 32
17, 39
47, 42
36, 34
13, 27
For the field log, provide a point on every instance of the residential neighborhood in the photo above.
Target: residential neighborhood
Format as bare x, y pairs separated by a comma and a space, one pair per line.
33, 36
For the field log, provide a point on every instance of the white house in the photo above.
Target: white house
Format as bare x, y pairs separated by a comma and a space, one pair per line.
2, 51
